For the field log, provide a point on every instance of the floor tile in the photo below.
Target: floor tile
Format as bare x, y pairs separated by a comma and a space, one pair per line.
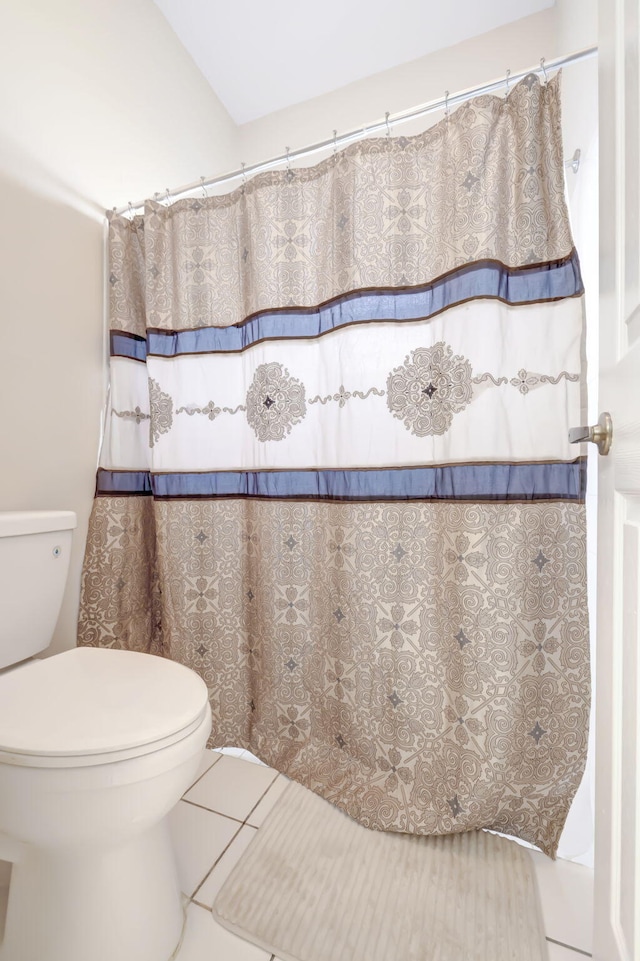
558, 952
232, 787
199, 838
205, 940
268, 802
207, 893
566, 894
208, 759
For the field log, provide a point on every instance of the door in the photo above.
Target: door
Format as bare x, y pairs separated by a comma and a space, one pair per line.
617, 860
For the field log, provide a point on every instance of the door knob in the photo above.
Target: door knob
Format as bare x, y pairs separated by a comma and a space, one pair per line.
601, 434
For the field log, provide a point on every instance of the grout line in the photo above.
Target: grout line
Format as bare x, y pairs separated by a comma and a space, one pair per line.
212, 811
217, 860
254, 808
192, 897
215, 864
207, 907
215, 761
276, 774
569, 947
262, 797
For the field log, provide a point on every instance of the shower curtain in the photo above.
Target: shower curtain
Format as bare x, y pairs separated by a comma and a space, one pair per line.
336, 480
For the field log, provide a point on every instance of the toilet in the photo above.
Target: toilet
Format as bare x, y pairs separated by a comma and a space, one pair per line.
96, 748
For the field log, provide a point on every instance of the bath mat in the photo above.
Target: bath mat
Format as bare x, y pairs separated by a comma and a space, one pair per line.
315, 885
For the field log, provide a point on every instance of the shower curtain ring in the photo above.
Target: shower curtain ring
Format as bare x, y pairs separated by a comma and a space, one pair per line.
507, 80
244, 177
542, 61
167, 197
204, 189
289, 170
131, 213
335, 144
386, 120
446, 104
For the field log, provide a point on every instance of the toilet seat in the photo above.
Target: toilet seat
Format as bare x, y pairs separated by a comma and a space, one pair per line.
92, 706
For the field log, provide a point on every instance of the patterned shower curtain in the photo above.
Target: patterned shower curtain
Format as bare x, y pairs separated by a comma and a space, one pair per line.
336, 480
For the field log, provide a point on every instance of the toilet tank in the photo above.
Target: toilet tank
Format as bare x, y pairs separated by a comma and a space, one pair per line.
34, 560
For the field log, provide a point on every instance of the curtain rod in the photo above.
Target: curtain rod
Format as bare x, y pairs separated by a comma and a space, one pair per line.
444, 103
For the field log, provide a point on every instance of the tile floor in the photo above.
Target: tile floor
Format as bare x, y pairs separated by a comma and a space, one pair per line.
220, 814
222, 811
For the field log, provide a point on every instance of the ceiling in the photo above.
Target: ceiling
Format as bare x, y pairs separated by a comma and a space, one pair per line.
262, 55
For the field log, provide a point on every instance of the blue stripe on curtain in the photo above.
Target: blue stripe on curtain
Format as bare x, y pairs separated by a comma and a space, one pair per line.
128, 345
485, 279
558, 481
123, 482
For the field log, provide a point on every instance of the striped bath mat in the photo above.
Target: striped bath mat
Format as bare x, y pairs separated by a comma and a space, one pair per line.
315, 885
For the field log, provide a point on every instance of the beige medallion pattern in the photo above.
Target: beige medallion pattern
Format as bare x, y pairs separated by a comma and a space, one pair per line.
275, 402
432, 385
385, 212
423, 667
161, 411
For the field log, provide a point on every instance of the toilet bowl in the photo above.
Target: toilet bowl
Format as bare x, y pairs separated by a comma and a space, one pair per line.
96, 747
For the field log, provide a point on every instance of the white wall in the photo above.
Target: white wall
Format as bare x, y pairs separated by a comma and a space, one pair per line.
515, 46
99, 104
102, 94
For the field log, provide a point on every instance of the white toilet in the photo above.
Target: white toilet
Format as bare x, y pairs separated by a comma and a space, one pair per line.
96, 747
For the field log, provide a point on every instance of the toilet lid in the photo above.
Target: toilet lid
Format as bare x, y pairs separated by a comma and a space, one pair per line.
90, 701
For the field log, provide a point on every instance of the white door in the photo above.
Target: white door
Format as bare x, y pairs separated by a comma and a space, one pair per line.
617, 859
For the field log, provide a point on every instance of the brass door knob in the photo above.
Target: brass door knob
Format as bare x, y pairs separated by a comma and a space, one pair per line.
601, 434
